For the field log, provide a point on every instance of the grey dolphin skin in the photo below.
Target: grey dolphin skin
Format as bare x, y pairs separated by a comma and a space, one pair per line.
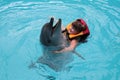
51, 34
52, 39
46, 33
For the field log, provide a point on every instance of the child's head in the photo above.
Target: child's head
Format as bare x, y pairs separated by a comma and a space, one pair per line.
78, 26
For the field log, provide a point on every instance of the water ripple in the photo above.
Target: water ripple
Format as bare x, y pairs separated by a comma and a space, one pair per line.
20, 25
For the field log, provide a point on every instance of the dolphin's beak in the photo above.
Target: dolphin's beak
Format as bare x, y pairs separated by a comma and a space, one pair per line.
57, 27
51, 21
50, 26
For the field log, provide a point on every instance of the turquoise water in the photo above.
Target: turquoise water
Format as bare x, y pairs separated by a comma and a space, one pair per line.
20, 27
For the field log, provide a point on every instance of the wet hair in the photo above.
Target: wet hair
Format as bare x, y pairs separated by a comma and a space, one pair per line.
78, 26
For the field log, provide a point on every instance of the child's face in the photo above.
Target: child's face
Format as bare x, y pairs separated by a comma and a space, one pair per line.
72, 30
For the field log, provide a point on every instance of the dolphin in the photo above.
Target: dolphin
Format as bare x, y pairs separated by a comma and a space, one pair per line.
52, 39
51, 35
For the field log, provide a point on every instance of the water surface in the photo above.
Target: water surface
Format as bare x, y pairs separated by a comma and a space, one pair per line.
20, 27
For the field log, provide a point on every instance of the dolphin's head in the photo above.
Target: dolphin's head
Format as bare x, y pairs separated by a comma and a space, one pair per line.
51, 34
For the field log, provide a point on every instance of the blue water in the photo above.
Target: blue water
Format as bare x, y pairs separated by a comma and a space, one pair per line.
20, 27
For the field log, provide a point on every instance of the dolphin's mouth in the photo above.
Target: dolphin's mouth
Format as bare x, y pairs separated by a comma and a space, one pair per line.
56, 27
50, 32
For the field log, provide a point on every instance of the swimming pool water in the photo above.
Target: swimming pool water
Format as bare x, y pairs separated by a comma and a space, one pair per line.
20, 27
